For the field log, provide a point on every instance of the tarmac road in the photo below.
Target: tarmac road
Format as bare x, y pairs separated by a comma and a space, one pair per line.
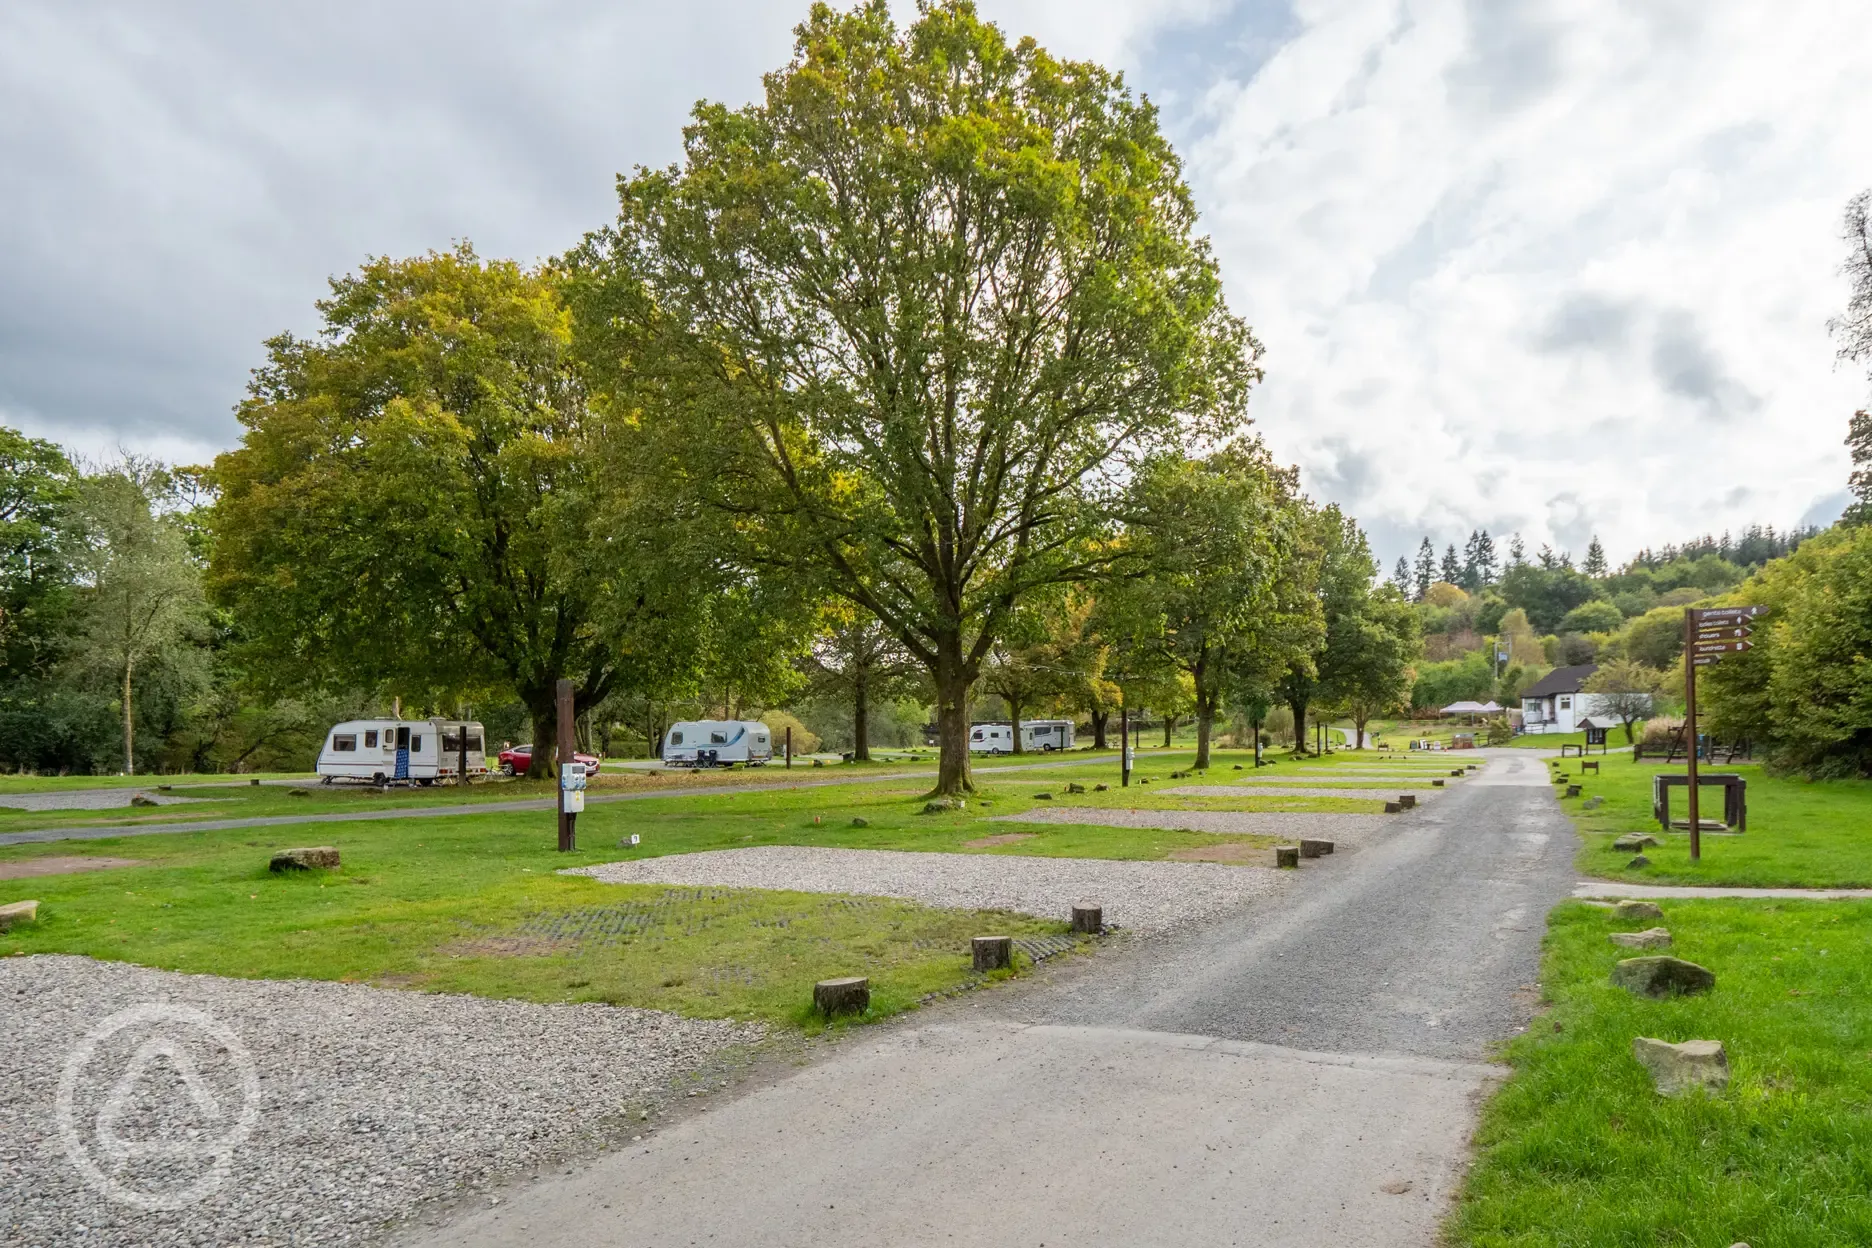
1303, 1073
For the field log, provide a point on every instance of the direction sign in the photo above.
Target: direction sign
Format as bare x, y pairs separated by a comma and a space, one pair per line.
1725, 614
1722, 634
1720, 647
1707, 660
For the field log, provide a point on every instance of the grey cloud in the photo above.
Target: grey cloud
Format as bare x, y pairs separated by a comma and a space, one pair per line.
1510, 61
1587, 320
1684, 365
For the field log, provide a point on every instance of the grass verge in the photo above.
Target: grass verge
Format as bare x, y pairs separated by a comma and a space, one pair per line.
1578, 1151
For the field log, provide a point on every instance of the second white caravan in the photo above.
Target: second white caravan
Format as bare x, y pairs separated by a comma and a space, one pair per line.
718, 743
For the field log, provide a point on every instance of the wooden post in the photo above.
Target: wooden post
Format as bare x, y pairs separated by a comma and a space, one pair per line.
993, 953
1124, 747
1690, 729
841, 996
1088, 919
461, 755
568, 742
789, 747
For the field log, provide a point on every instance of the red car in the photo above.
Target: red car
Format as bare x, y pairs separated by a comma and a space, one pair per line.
515, 759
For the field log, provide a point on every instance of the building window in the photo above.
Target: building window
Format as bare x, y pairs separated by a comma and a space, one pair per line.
1566, 704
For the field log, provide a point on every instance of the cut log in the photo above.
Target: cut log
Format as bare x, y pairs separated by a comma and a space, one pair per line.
1394, 808
1407, 800
851, 995
1286, 855
1311, 847
1436, 784
1088, 919
305, 858
993, 953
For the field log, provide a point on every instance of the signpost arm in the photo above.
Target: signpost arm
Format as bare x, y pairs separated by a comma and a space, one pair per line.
1690, 730
568, 746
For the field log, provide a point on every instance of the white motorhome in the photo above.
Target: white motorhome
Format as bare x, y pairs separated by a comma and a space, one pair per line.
718, 743
1047, 734
390, 751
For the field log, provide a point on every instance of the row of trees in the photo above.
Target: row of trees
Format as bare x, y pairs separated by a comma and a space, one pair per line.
913, 374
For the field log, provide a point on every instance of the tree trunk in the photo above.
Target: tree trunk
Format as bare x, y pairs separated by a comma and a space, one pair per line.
545, 738
861, 720
952, 725
1254, 727
1014, 713
129, 723
1358, 733
1098, 728
1169, 729
1205, 719
1299, 708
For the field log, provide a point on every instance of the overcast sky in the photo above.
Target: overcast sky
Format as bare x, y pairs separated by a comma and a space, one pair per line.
1556, 267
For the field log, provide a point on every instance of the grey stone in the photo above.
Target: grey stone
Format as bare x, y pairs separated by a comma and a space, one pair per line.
1629, 909
944, 805
305, 858
1101, 788
859, 821
1043, 797
1676, 1068
1650, 938
18, 912
1634, 842
1639, 861
143, 799
1658, 977
1075, 788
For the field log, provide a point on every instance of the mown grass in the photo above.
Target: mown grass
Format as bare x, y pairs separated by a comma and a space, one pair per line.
1801, 833
1578, 1151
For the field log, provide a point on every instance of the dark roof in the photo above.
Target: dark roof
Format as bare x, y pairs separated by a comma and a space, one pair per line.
1560, 680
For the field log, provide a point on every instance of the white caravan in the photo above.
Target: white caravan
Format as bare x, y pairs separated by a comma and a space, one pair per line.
718, 743
400, 750
991, 739
1047, 734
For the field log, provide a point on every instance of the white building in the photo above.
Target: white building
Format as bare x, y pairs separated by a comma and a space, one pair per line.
1558, 701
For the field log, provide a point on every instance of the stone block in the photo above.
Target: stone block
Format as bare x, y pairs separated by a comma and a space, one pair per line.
1634, 842
1676, 1068
1658, 977
1650, 938
18, 912
307, 858
1629, 909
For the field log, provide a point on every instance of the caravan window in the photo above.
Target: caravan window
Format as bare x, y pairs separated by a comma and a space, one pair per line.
718, 738
474, 743
415, 744
675, 738
976, 736
760, 738
344, 740
370, 738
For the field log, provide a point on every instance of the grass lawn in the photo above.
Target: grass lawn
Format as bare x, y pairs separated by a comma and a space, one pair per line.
1578, 1151
1802, 834
471, 903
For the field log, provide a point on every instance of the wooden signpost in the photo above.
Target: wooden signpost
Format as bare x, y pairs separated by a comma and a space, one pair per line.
572, 799
1710, 635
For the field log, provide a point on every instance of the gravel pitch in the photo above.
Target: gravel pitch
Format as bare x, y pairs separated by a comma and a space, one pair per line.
372, 1101
1268, 790
1140, 896
1351, 829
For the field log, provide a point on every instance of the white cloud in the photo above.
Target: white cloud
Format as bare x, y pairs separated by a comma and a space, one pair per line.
1555, 267
1561, 267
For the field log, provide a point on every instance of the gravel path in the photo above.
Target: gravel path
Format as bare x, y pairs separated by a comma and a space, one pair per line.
371, 1100
1268, 790
94, 799
1350, 829
1140, 896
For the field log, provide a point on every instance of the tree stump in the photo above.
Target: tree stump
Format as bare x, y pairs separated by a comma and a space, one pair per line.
1394, 808
993, 953
1089, 919
1286, 855
1311, 847
1407, 800
851, 995
1457, 772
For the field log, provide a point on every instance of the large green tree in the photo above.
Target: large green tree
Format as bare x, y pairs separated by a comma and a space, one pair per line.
912, 313
1342, 574
423, 502
1373, 673
1215, 539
